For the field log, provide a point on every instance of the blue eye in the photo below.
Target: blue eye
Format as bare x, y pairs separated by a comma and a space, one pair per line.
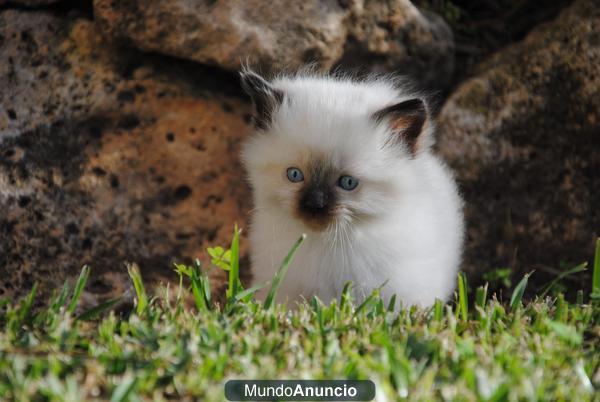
295, 175
348, 183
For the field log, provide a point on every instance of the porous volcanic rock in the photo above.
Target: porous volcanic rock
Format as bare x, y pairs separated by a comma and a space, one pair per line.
395, 36
29, 3
279, 34
226, 33
524, 137
108, 156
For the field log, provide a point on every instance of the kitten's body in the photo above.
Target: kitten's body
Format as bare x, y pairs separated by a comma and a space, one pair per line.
402, 224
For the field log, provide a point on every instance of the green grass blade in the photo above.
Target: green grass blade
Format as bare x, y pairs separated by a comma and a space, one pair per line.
234, 272
60, 299
245, 294
81, 281
25, 308
199, 290
205, 283
596, 273
276, 282
124, 390
138, 284
463, 302
517, 295
368, 300
438, 310
346, 296
392, 303
481, 296
579, 268
99, 309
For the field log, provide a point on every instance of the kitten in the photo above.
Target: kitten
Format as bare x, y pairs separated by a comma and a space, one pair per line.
350, 164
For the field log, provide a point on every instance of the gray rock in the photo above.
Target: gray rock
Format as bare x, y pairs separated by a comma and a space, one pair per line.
226, 33
394, 36
524, 137
30, 3
379, 36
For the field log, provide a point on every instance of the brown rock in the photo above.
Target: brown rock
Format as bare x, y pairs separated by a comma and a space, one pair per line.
524, 139
395, 36
226, 33
279, 34
30, 3
108, 157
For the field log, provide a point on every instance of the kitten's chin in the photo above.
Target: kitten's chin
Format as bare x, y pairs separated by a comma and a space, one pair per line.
316, 223
315, 226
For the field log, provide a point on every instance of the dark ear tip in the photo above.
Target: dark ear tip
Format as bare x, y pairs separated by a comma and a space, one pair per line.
264, 96
416, 105
252, 82
410, 107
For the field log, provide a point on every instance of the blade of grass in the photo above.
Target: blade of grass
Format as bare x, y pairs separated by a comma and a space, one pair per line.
346, 296
138, 284
60, 300
372, 298
368, 300
481, 296
123, 390
596, 273
392, 304
243, 295
199, 290
278, 278
463, 302
25, 308
579, 268
234, 272
580, 297
205, 282
81, 281
517, 295
438, 310
99, 309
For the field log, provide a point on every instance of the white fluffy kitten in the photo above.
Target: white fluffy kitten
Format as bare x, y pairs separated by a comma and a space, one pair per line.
349, 163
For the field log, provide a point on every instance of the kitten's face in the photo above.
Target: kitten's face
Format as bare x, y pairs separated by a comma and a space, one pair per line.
326, 159
322, 183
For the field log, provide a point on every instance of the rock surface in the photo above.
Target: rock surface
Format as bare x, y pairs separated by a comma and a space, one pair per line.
108, 157
394, 36
29, 3
110, 154
524, 138
226, 33
382, 36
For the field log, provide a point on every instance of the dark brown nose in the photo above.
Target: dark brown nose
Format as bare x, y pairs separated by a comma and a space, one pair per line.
315, 201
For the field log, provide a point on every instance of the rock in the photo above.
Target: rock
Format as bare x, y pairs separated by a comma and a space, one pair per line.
30, 3
524, 137
378, 36
48, 74
395, 36
226, 33
108, 156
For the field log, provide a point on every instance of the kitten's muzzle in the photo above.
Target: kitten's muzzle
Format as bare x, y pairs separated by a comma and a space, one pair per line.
315, 202
315, 208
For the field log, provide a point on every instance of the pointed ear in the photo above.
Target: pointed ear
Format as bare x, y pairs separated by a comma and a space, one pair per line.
264, 96
406, 120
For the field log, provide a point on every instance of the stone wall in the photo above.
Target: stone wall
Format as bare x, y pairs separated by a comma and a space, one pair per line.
120, 125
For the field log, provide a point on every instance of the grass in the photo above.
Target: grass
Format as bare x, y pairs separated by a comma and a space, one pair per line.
486, 349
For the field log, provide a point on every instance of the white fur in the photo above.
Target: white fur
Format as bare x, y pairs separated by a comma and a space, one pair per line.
410, 229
